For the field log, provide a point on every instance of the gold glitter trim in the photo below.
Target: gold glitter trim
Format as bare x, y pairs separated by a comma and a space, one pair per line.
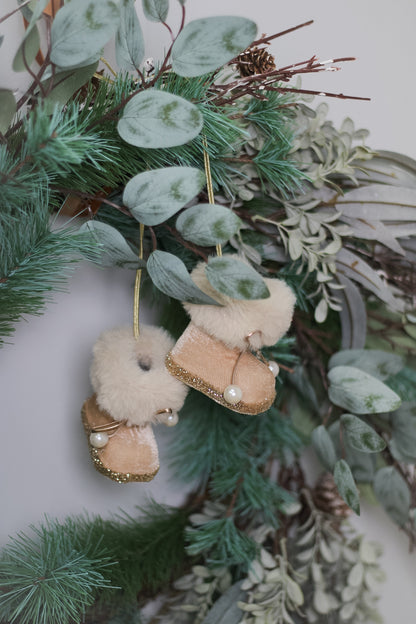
119, 477
199, 384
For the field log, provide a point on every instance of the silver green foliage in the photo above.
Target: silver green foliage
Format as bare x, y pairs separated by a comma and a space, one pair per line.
361, 436
170, 275
113, 247
324, 447
392, 492
206, 44
157, 119
345, 483
81, 29
7, 109
235, 278
360, 393
380, 364
30, 45
340, 572
154, 196
208, 224
403, 439
129, 44
156, 10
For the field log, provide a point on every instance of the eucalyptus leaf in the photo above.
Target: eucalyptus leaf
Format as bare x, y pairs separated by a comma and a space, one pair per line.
66, 83
169, 274
403, 441
374, 230
154, 196
208, 224
7, 109
321, 311
380, 364
157, 119
225, 609
363, 465
129, 45
392, 492
27, 51
324, 447
346, 485
235, 278
81, 29
156, 10
353, 315
361, 436
404, 384
115, 251
379, 202
208, 43
360, 393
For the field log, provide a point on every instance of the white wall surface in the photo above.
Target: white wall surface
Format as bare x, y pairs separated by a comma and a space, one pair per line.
44, 462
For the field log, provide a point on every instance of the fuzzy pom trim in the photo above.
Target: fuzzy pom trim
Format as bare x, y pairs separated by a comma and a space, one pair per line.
269, 318
129, 376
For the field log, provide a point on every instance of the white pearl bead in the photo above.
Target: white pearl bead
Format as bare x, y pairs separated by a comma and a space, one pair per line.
274, 367
172, 420
233, 394
98, 440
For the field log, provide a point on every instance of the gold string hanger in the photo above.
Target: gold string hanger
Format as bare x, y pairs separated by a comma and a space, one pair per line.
136, 303
210, 188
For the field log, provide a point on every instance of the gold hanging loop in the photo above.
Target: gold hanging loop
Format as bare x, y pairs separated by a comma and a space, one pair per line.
136, 326
210, 188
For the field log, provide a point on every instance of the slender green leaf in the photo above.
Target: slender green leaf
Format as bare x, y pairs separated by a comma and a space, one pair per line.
156, 10
235, 278
361, 436
27, 51
360, 393
392, 492
206, 44
129, 44
158, 119
346, 485
380, 364
7, 109
225, 609
81, 29
115, 251
324, 447
66, 83
154, 196
208, 224
379, 202
169, 274
353, 315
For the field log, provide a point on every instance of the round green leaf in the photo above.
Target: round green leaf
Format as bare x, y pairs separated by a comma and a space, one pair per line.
361, 436
206, 44
115, 251
129, 44
156, 10
170, 275
392, 492
158, 119
403, 441
380, 364
346, 485
7, 109
324, 447
236, 279
154, 196
360, 393
81, 29
208, 224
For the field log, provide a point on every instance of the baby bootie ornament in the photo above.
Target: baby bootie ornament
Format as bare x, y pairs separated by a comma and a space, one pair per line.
215, 353
132, 390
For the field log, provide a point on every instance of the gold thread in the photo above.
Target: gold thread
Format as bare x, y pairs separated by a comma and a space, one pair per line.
107, 64
136, 325
213, 393
210, 188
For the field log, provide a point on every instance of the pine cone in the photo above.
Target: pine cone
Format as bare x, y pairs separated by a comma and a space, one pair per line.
326, 497
255, 61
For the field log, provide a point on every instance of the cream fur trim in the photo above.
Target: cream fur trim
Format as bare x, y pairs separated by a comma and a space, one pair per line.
240, 317
123, 388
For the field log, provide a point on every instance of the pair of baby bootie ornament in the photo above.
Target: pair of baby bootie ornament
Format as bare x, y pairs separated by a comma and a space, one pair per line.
144, 381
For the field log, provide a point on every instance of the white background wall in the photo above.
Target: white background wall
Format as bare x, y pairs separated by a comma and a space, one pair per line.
44, 462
